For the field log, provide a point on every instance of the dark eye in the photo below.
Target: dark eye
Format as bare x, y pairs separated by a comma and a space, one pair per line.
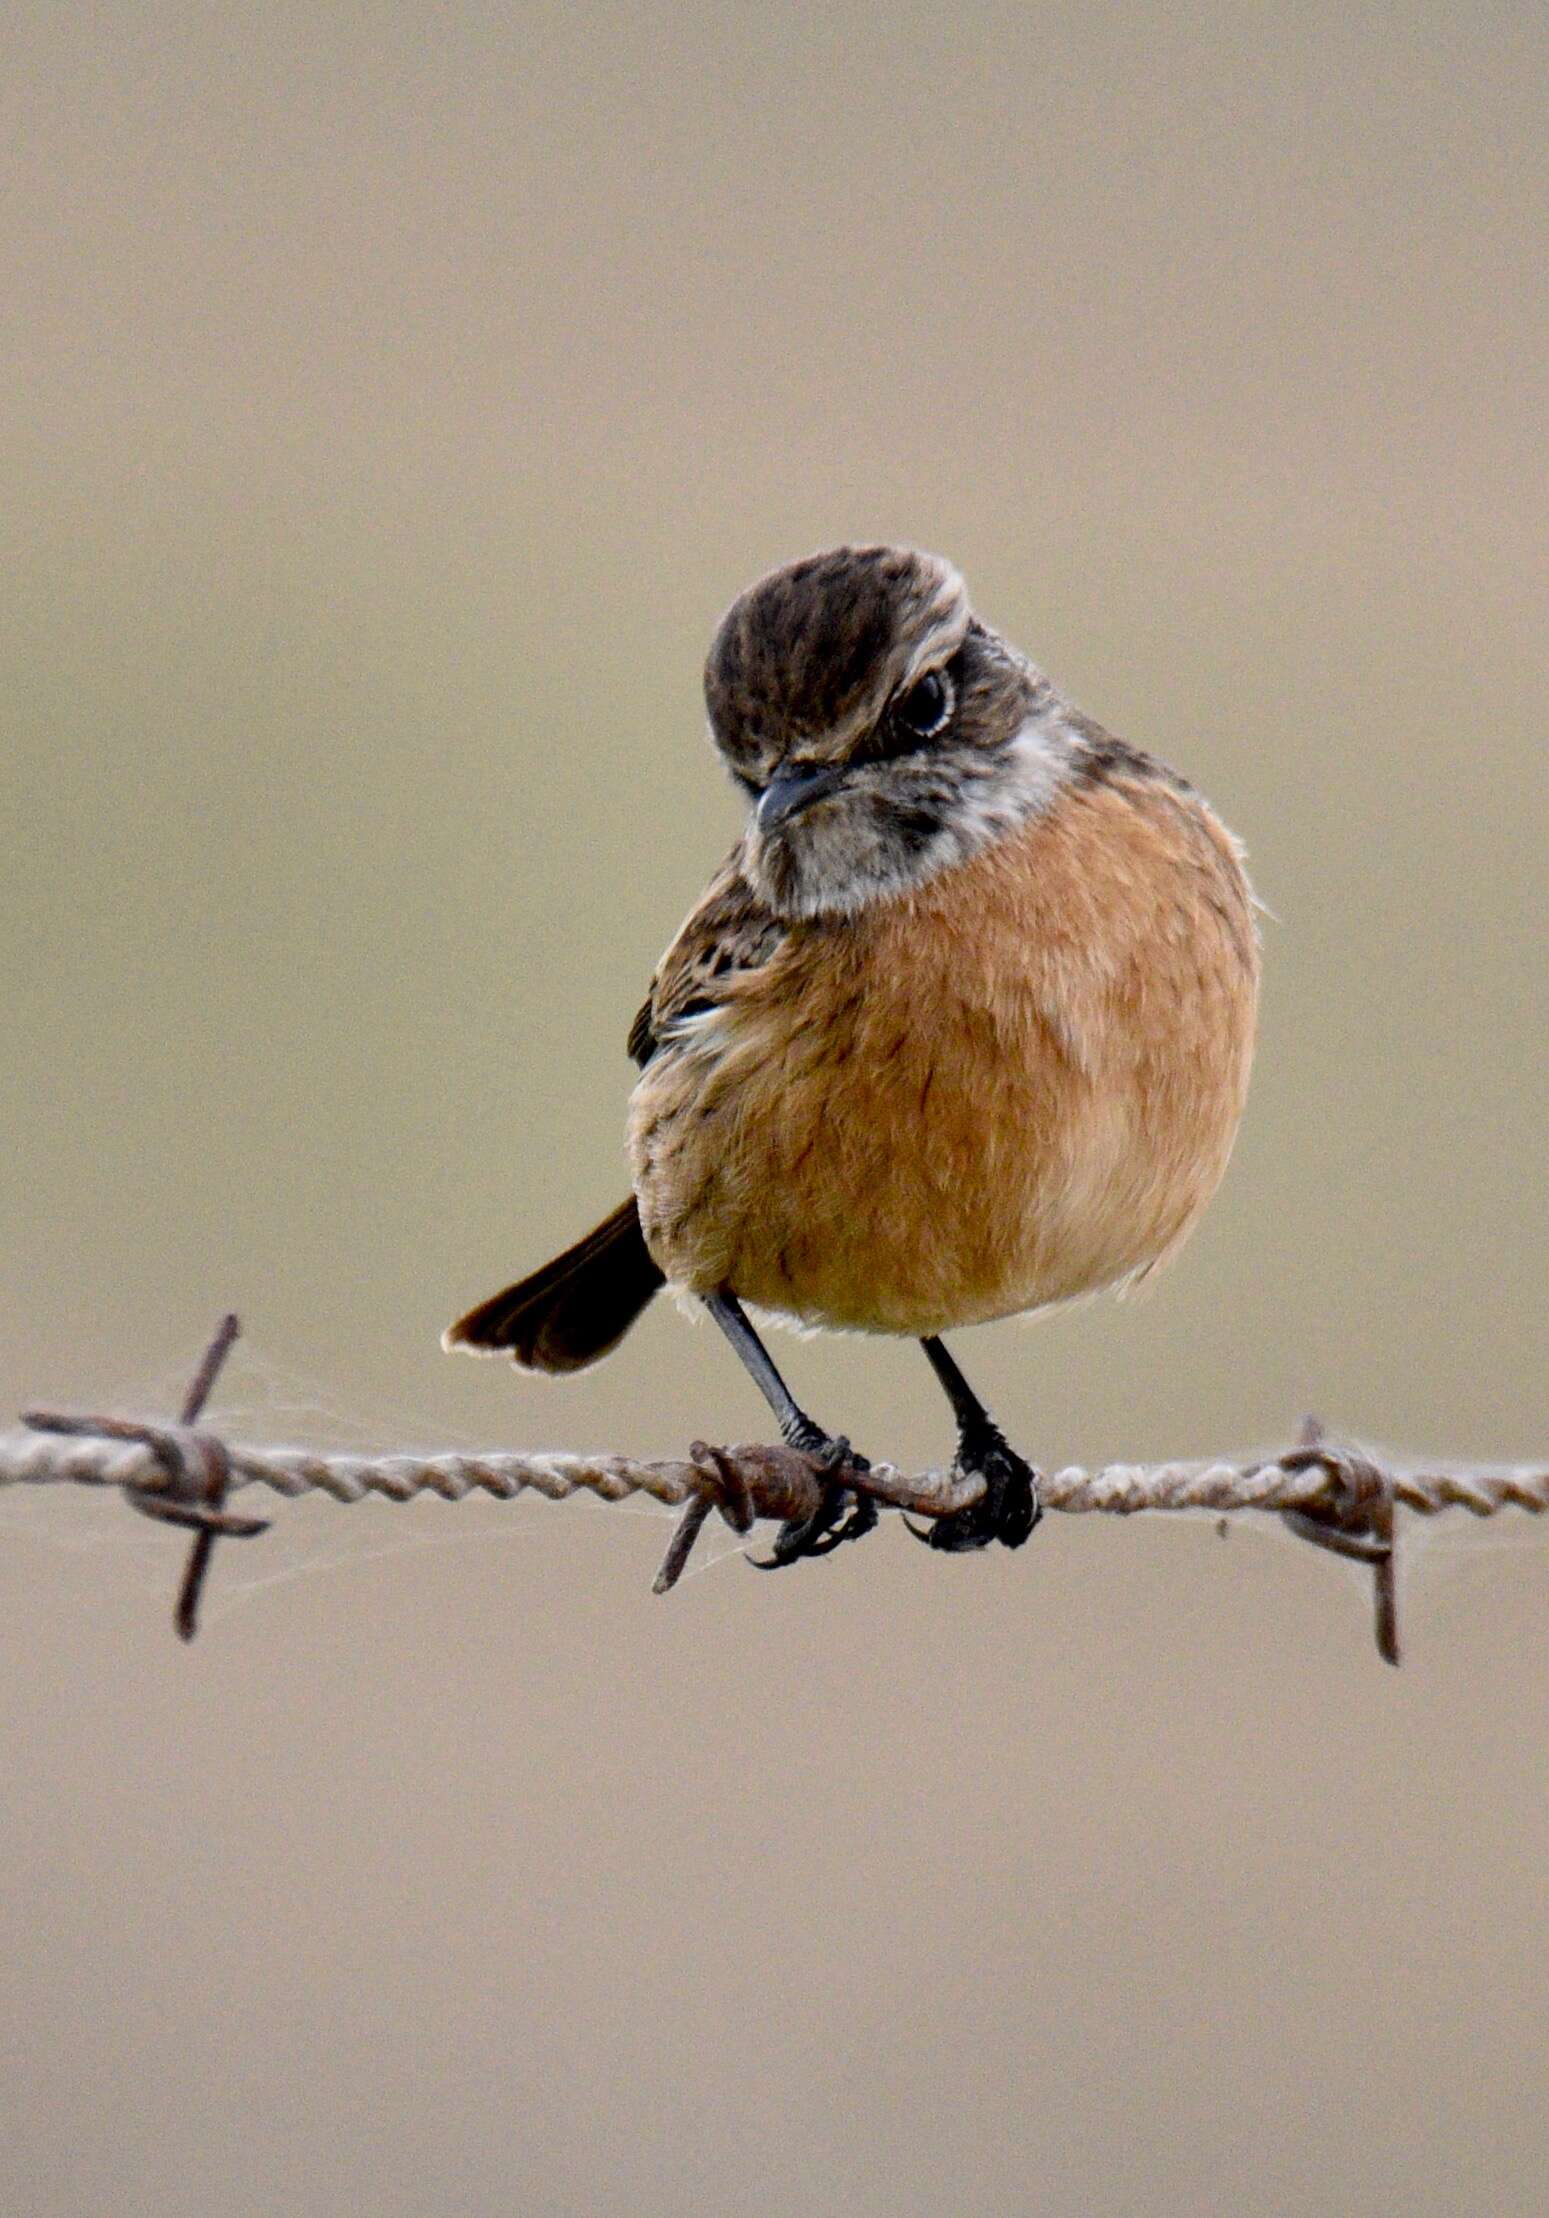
926, 708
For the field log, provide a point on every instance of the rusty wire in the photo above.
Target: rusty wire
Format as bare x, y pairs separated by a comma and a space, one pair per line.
1333, 1494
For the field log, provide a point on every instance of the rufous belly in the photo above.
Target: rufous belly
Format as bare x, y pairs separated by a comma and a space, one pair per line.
1019, 1084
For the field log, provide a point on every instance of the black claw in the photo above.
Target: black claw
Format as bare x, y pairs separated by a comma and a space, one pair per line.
861, 1520
840, 1515
1008, 1509
803, 1536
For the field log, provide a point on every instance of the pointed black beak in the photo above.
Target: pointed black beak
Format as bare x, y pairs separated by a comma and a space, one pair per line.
793, 789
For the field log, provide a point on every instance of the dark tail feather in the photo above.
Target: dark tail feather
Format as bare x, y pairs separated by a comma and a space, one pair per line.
575, 1309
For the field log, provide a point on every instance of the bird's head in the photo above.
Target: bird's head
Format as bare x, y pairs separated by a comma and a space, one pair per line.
880, 730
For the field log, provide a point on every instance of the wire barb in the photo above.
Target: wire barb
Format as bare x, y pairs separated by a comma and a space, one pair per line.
192, 1476
1357, 1522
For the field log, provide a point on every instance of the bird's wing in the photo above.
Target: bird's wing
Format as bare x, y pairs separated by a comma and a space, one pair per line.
730, 933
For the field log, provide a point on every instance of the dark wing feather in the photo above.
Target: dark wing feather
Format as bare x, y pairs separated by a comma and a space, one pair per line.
730, 933
642, 1034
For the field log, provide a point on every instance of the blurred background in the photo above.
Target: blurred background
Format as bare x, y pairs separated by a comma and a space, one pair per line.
393, 400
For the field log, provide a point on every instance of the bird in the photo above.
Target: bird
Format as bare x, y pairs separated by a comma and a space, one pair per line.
960, 1030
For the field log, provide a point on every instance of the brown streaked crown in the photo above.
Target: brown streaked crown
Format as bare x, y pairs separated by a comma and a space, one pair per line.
809, 657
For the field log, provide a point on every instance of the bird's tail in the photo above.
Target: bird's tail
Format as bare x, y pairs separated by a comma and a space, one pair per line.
573, 1310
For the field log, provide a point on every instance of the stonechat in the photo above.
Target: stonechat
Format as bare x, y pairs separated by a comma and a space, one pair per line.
960, 1029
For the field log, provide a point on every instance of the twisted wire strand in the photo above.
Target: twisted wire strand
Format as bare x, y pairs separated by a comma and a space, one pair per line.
1311, 1480
1329, 1493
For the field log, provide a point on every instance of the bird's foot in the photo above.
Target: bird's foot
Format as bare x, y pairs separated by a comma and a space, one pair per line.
841, 1514
1007, 1510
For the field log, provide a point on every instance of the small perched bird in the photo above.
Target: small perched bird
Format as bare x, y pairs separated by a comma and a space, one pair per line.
960, 1029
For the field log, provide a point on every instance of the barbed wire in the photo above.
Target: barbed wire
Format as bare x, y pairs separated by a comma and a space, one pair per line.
1333, 1494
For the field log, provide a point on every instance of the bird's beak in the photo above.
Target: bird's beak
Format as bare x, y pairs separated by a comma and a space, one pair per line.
793, 789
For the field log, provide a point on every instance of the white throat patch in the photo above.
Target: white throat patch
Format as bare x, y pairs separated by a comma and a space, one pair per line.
1039, 760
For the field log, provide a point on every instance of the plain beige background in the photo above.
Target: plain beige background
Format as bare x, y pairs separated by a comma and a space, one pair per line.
393, 398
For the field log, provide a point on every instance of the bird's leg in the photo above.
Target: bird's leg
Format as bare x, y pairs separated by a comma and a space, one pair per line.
1009, 1509
840, 1515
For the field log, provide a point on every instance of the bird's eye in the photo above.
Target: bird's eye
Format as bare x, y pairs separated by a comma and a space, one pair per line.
926, 708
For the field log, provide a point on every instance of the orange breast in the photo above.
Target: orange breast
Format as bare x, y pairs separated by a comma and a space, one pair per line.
1018, 1084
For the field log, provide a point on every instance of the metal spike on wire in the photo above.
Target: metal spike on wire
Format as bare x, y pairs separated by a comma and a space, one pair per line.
192, 1473
1334, 1495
